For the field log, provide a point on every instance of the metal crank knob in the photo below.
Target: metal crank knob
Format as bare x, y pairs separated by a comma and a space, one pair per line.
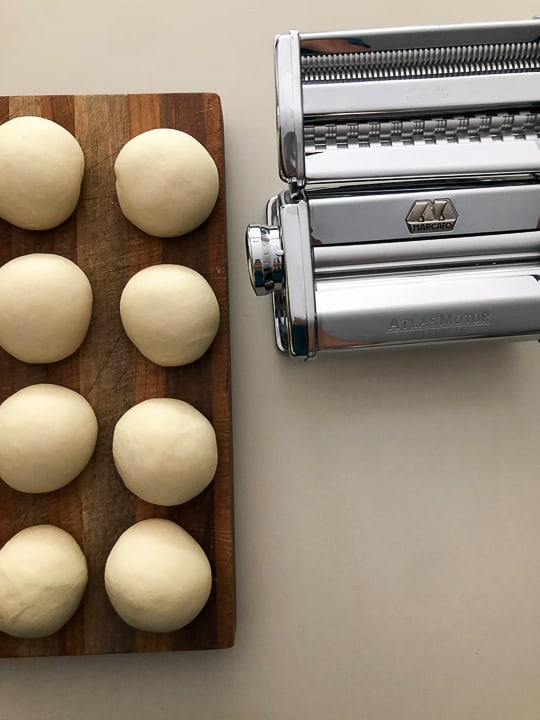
265, 258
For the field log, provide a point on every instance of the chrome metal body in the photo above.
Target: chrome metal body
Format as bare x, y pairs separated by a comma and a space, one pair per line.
412, 214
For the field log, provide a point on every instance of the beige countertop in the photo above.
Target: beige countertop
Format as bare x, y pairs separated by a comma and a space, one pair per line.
387, 505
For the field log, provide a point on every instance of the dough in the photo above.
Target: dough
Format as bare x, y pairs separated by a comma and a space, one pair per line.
43, 575
167, 182
170, 313
165, 451
41, 169
157, 576
47, 436
45, 307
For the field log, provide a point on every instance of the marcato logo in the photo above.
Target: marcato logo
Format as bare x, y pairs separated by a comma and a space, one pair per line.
431, 216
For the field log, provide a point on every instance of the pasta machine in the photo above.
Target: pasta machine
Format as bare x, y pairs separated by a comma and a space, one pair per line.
412, 207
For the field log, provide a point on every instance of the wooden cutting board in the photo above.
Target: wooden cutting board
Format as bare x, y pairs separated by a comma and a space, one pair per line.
96, 507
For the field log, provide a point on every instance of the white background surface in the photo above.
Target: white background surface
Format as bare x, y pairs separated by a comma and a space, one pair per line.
387, 505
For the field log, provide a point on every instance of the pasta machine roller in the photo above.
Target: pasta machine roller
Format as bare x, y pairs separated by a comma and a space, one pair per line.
412, 207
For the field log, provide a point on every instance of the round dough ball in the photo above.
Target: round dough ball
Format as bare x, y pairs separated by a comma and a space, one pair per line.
157, 576
43, 575
170, 314
41, 169
165, 451
167, 183
47, 436
45, 307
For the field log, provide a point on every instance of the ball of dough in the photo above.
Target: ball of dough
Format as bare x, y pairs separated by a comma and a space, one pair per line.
41, 169
45, 307
43, 575
170, 314
47, 436
157, 576
165, 451
167, 183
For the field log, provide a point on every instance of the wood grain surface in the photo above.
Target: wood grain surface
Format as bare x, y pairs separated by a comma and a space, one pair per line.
107, 370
